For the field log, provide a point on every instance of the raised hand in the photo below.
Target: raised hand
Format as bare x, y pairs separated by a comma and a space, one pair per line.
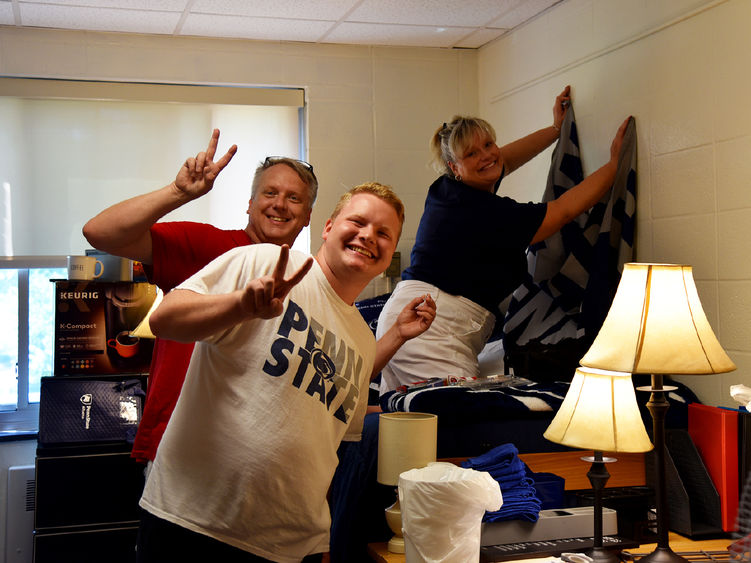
615, 146
196, 176
263, 297
561, 104
416, 317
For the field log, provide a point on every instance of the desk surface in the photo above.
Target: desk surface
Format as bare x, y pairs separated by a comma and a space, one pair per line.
380, 553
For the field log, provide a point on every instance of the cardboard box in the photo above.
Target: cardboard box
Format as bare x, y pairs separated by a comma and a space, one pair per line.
92, 325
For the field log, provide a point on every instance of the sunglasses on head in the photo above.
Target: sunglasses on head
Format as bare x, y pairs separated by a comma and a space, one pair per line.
271, 160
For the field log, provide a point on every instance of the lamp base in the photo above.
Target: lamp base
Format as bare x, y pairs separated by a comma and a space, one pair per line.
396, 545
658, 406
598, 476
663, 555
394, 521
602, 555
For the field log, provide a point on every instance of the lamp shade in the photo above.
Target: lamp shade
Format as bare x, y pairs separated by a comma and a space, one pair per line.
406, 440
600, 412
656, 325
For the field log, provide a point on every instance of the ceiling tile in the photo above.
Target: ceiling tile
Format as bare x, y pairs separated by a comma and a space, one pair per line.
283, 9
159, 5
268, 29
98, 19
522, 12
478, 38
428, 12
403, 35
6, 14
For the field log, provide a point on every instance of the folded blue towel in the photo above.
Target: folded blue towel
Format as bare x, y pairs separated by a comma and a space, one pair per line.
499, 454
520, 501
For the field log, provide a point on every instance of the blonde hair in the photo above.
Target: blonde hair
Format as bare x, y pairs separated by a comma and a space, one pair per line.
451, 140
386, 193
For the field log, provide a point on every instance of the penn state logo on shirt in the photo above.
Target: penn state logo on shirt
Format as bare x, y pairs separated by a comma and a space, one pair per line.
321, 363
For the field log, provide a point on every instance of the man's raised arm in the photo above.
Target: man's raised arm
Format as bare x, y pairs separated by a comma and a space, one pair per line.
124, 228
187, 316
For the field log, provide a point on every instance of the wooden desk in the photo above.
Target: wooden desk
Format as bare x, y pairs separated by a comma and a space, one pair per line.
379, 553
680, 544
629, 471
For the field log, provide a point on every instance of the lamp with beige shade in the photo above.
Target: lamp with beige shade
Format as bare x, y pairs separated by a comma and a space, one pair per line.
600, 413
656, 325
406, 440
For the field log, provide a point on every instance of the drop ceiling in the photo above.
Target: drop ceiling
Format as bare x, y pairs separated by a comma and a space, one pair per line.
415, 23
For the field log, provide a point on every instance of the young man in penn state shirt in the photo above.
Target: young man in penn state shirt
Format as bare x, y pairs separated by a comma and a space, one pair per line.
278, 378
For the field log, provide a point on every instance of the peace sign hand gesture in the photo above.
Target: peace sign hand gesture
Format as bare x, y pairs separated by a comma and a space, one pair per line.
264, 297
196, 176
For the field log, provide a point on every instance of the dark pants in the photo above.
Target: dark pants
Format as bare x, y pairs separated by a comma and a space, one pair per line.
160, 541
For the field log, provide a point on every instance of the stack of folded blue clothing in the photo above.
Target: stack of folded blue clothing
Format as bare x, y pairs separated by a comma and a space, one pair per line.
520, 501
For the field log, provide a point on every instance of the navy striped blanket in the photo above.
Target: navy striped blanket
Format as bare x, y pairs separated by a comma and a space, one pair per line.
507, 401
460, 403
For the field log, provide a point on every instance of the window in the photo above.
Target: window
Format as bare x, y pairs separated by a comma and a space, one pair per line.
72, 148
26, 336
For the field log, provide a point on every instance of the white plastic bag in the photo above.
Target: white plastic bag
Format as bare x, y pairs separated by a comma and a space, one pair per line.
442, 509
741, 394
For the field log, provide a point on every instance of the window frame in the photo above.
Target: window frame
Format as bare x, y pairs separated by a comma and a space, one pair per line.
25, 419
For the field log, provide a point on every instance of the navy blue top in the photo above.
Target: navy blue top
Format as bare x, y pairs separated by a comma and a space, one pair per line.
473, 243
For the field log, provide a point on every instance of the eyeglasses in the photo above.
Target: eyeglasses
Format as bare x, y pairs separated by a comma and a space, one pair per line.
271, 160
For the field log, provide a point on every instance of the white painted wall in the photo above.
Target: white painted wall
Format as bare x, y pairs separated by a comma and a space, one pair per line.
371, 109
681, 68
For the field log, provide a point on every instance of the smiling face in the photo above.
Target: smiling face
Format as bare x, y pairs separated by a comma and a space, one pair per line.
280, 207
358, 243
480, 165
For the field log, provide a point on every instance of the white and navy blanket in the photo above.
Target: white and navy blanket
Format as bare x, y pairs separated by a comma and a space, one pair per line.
572, 275
458, 403
508, 401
